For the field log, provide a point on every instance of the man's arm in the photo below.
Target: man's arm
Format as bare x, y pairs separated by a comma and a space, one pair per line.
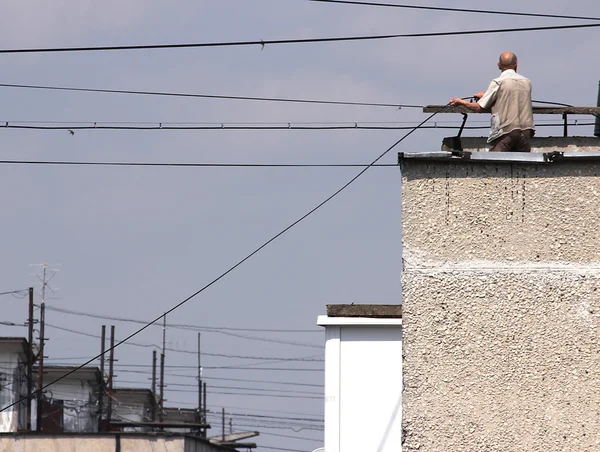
473, 106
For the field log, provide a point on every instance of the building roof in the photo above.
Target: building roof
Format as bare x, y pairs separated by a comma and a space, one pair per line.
379, 311
89, 373
14, 340
501, 157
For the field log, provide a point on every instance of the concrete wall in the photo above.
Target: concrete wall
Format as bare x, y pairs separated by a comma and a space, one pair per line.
501, 306
538, 144
104, 443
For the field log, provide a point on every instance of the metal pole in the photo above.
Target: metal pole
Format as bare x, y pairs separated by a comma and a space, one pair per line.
30, 359
204, 408
162, 371
102, 388
153, 385
199, 381
111, 360
223, 419
40, 378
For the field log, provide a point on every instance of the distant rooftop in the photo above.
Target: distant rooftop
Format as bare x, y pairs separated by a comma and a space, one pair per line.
381, 311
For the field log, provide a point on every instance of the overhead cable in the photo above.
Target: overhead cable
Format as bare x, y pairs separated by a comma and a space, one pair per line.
457, 10
196, 165
263, 43
178, 325
211, 96
175, 350
235, 266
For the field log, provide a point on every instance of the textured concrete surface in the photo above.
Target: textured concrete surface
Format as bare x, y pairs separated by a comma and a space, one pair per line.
532, 212
501, 306
538, 144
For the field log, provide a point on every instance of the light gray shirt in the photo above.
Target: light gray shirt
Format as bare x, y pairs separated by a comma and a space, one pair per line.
508, 98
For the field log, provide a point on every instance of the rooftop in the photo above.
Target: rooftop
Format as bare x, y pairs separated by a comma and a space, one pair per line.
501, 157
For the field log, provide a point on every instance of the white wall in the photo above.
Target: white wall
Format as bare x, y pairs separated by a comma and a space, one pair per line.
80, 406
363, 384
13, 385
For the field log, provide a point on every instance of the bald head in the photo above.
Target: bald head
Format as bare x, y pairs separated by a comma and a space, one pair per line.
508, 60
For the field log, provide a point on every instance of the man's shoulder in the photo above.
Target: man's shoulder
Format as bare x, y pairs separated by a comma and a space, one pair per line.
510, 75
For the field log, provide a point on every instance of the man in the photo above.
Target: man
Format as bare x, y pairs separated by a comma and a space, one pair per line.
508, 98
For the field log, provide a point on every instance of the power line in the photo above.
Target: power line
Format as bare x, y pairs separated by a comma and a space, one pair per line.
22, 125
195, 386
175, 350
458, 10
263, 43
211, 96
290, 436
239, 263
21, 293
180, 325
196, 165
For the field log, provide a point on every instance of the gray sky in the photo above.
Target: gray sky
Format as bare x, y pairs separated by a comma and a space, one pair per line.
133, 242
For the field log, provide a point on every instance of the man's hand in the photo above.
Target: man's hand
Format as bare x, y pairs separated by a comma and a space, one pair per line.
454, 102
479, 95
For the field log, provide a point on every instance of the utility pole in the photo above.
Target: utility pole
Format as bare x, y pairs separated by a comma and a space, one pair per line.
111, 360
29, 359
40, 378
153, 385
199, 383
102, 387
230, 426
162, 371
204, 408
223, 423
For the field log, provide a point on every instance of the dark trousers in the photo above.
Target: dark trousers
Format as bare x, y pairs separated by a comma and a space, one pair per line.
515, 141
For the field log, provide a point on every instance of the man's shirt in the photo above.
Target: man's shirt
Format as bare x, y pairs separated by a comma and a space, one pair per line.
508, 98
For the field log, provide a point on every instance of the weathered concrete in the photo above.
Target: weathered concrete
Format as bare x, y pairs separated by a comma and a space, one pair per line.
501, 306
364, 310
538, 144
461, 211
105, 442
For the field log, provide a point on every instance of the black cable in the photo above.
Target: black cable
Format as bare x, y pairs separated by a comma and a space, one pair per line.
356, 126
175, 350
178, 325
458, 10
8, 125
262, 43
282, 449
217, 165
291, 437
232, 268
211, 96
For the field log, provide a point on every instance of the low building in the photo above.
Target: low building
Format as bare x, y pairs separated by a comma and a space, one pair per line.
132, 406
363, 378
71, 402
13, 383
